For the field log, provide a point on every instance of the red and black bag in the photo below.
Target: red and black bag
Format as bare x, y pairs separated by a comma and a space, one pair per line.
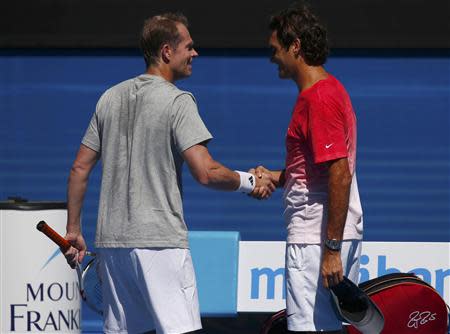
409, 306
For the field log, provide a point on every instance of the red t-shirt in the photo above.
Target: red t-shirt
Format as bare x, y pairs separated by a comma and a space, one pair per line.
322, 128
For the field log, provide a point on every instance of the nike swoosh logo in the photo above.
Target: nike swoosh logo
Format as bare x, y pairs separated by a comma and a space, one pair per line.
329, 145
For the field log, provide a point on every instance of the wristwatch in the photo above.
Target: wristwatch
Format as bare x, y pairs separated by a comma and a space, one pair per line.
333, 244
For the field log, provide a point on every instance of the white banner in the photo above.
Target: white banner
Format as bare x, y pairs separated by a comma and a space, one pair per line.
39, 292
261, 269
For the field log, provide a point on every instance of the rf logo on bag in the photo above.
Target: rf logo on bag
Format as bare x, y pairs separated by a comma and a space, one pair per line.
418, 318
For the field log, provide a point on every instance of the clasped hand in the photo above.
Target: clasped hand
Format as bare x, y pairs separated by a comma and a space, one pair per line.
75, 254
265, 184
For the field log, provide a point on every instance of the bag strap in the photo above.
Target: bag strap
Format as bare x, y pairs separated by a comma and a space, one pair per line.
270, 321
384, 282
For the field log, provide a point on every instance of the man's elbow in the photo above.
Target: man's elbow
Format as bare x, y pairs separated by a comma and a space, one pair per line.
346, 180
203, 179
204, 172
79, 171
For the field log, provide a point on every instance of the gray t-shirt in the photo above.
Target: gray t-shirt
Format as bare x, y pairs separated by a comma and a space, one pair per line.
140, 127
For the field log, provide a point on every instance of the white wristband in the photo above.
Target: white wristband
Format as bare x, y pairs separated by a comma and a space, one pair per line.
248, 182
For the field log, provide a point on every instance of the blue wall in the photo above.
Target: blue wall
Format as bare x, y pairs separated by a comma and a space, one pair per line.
402, 104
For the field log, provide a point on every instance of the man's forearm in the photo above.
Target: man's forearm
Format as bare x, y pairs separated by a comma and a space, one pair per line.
77, 185
339, 184
221, 178
209, 172
212, 174
76, 190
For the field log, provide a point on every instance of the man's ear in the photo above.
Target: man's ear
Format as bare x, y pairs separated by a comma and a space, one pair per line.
166, 53
296, 47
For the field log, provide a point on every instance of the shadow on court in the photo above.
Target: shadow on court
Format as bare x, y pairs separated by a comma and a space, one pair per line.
244, 323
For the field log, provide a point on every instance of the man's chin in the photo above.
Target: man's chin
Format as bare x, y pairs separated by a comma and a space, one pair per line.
283, 75
184, 75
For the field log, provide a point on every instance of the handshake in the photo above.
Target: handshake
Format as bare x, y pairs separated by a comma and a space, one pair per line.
266, 183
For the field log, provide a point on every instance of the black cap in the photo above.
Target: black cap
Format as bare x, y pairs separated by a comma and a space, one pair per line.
354, 306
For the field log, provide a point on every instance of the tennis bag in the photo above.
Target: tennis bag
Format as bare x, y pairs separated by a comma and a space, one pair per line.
409, 305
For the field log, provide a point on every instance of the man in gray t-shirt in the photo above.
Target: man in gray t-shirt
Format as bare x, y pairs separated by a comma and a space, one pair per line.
143, 130
141, 127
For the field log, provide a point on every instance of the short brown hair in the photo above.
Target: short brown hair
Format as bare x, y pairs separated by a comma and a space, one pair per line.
157, 31
299, 22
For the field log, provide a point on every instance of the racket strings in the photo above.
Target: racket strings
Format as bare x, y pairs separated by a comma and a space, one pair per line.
98, 292
93, 287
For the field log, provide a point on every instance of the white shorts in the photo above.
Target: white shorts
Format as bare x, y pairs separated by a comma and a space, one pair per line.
308, 302
148, 288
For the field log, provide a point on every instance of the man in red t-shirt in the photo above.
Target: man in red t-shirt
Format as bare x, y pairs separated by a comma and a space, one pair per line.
323, 213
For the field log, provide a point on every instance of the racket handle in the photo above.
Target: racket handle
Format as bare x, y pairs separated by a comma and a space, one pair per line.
53, 235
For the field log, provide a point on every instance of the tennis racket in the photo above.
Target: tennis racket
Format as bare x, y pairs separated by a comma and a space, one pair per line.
88, 278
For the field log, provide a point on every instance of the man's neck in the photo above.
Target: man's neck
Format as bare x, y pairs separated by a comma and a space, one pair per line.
161, 71
307, 76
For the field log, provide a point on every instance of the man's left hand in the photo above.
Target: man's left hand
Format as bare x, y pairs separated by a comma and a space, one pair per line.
331, 268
